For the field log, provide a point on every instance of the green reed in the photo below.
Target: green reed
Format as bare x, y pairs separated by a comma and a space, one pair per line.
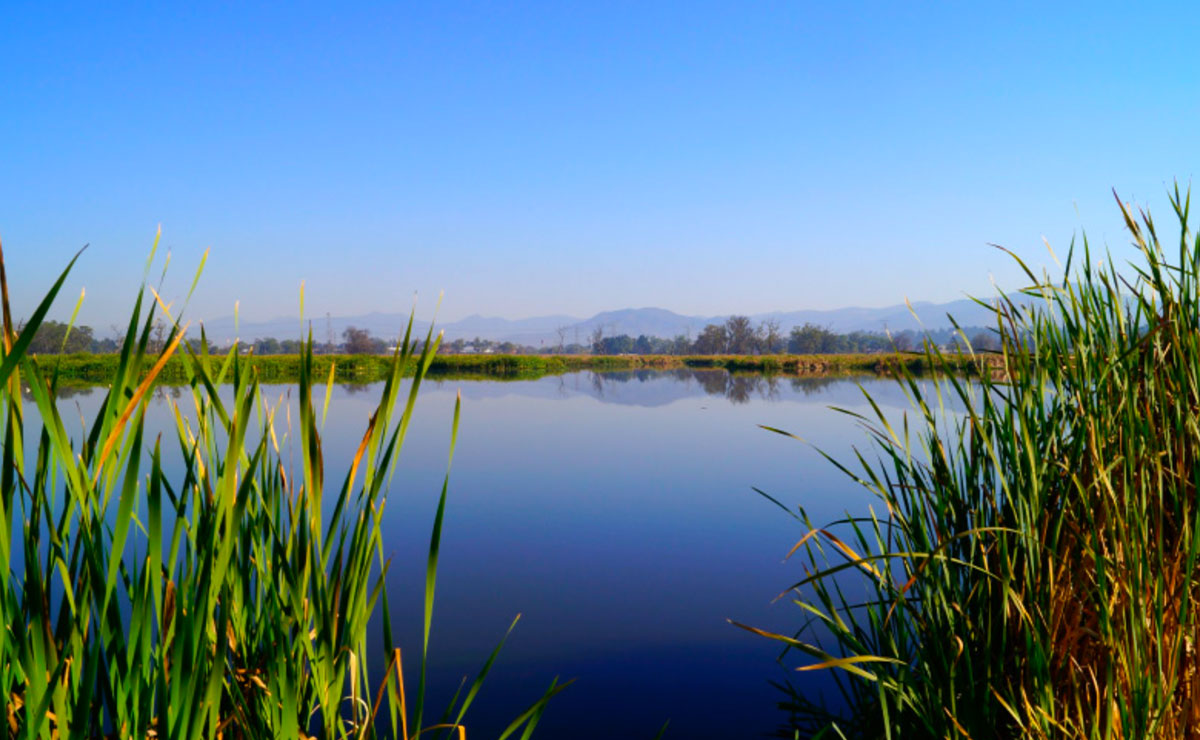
229, 600
1032, 568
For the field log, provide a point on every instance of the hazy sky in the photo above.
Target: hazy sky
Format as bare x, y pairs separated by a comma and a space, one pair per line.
569, 158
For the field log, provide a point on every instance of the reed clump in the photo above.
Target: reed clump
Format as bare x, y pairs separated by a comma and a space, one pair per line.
227, 596
1032, 571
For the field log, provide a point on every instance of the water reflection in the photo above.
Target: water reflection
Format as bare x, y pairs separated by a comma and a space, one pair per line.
642, 387
67, 391
735, 387
663, 387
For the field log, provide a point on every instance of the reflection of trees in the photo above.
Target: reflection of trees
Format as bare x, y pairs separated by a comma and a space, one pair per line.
64, 391
158, 394
74, 391
813, 385
735, 387
617, 376
740, 388
712, 381
163, 392
598, 384
609, 377
353, 389
771, 387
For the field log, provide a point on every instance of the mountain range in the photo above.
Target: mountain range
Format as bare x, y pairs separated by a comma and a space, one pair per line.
544, 330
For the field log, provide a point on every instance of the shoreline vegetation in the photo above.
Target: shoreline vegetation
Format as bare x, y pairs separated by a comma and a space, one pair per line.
229, 595
88, 368
1030, 566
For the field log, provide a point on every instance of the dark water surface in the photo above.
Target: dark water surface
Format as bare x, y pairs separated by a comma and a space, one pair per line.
614, 512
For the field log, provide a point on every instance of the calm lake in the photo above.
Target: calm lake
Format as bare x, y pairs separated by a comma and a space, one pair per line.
615, 513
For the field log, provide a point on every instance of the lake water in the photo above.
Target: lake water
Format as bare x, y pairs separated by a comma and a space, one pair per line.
615, 513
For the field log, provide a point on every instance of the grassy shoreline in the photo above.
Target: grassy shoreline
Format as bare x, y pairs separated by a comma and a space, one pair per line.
97, 368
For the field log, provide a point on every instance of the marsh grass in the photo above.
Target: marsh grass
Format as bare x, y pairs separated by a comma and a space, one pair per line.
1031, 570
232, 600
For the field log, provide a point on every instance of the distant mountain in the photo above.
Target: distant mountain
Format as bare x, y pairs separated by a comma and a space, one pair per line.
663, 323
525, 331
384, 325
653, 322
893, 318
658, 322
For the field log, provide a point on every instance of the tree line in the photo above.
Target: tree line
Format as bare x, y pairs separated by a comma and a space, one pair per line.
737, 335
55, 337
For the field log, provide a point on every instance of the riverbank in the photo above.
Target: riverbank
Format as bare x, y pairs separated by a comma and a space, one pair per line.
96, 368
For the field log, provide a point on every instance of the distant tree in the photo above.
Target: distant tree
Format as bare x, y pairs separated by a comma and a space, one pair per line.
741, 338
770, 339
598, 340
52, 337
863, 341
80, 339
107, 345
158, 337
561, 333
811, 339
622, 344
267, 346
904, 341
985, 341
195, 343
712, 341
118, 336
357, 341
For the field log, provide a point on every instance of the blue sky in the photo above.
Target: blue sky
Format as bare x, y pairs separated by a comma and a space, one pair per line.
569, 158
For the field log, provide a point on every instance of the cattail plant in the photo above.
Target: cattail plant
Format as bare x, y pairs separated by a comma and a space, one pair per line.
228, 598
1031, 569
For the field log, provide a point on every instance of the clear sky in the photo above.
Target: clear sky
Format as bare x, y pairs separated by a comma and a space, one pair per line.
569, 158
